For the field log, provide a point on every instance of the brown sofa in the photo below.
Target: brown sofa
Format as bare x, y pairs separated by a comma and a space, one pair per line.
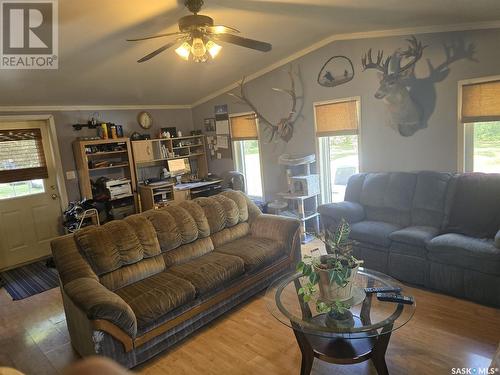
132, 288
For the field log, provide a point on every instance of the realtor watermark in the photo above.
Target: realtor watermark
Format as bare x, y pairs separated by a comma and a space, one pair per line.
29, 34
475, 370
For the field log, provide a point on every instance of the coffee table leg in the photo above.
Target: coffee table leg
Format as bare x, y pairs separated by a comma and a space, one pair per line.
307, 353
379, 349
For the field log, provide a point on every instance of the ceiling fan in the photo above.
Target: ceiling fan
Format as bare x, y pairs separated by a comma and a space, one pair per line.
197, 37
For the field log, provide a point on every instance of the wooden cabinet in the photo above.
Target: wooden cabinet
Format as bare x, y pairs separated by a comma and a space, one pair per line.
143, 151
156, 196
151, 158
181, 195
111, 158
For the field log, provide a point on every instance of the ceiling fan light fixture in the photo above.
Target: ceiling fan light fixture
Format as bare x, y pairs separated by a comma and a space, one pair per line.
183, 51
198, 48
195, 34
213, 48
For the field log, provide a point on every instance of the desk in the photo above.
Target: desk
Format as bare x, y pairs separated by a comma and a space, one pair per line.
193, 190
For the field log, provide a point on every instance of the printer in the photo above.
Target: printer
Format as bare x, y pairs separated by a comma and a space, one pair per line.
118, 189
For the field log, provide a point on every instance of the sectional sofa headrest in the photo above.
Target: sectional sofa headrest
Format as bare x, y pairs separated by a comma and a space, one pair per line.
118, 243
388, 190
124, 242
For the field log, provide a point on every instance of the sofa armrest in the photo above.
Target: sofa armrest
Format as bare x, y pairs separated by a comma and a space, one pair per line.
352, 212
280, 229
98, 302
497, 239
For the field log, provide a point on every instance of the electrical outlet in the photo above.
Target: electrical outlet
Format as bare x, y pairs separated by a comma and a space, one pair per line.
70, 175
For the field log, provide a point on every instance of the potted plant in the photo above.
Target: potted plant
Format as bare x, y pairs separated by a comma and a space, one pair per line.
333, 273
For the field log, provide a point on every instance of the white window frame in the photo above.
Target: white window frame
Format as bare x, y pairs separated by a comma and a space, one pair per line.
54, 148
237, 150
465, 136
324, 168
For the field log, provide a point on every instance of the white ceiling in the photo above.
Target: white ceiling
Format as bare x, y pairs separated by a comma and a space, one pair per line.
98, 67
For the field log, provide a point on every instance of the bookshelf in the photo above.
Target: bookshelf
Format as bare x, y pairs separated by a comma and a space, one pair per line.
111, 158
151, 156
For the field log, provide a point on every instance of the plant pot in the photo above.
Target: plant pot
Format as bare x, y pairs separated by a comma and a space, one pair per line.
333, 292
336, 320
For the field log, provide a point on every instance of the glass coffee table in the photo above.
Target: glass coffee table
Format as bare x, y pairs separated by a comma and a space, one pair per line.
367, 335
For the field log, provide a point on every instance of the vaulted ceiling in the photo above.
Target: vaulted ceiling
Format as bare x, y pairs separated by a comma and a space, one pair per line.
98, 67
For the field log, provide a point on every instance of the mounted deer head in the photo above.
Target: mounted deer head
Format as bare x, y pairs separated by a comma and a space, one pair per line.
284, 127
405, 114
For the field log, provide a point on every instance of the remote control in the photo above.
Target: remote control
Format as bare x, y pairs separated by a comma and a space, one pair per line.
391, 297
383, 289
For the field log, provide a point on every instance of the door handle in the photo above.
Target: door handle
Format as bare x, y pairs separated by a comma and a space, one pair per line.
54, 196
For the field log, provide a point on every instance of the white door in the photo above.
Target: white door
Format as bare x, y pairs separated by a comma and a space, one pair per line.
30, 211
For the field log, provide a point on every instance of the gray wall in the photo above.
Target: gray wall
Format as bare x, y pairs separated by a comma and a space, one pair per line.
382, 148
180, 118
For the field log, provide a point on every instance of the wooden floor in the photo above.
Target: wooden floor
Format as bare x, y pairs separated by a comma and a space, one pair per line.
444, 333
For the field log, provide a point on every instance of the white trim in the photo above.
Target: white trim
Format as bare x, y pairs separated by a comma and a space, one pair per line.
462, 164
49, 120
263, 184
357, 99
48, 108
351, 36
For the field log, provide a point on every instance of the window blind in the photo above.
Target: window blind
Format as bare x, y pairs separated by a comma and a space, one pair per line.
481, 102
244, 127
21, 155
336, 118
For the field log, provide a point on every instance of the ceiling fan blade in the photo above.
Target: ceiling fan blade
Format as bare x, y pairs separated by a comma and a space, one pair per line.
219, 29
154, 36
244, 42
156, 52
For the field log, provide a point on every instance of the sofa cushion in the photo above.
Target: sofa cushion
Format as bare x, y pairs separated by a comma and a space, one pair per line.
402, 248
132, 273
375, 232
241, 202
372, 192
352, 212
166, 228
110, 246
155, 296
416, 235
388, 196
254, 251
354, 187
230, 208
199, 217
188, 251
209, 271
230, 234
428, 206
391, 190
475, 209
468, 252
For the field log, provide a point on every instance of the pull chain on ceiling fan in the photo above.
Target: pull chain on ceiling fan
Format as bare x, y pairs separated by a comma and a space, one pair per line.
198, 36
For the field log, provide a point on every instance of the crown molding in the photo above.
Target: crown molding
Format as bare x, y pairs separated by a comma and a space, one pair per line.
61, 108
352, 36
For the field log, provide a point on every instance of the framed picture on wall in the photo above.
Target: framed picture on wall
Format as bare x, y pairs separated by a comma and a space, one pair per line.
209, 124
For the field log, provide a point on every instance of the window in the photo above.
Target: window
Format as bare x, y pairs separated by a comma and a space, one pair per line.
337, 133
246, 150
22, 163
481, 116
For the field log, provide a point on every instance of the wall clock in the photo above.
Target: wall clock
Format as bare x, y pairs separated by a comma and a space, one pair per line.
145, 120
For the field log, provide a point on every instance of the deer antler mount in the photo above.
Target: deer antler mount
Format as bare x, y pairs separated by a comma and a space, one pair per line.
282, 129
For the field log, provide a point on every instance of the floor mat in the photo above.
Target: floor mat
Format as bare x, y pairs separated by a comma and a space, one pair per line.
29, 280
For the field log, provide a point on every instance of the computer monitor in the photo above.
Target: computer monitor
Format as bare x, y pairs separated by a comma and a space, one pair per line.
178, 167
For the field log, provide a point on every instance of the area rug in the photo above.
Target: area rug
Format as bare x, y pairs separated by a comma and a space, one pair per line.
29, 280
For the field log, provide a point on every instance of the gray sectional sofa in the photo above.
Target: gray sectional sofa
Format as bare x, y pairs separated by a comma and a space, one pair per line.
433, 229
